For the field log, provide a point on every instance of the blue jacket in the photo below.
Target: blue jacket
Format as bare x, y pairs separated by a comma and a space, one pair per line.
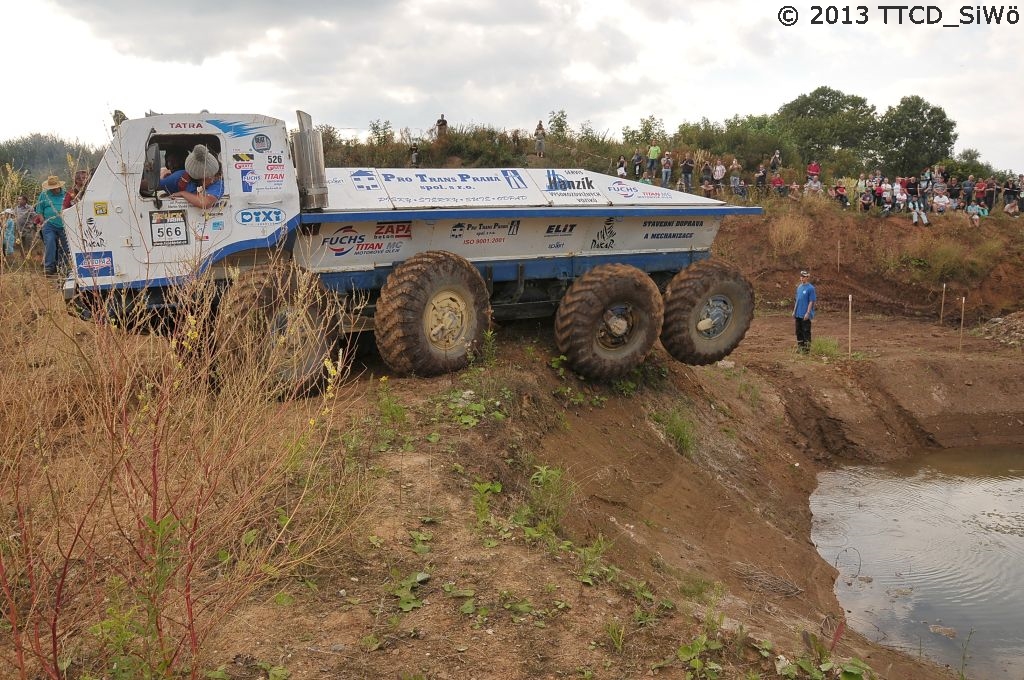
49, 206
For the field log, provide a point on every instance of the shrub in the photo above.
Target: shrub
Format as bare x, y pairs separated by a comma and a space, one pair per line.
788, 234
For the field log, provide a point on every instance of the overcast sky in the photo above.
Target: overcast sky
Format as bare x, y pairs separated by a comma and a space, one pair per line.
505, 63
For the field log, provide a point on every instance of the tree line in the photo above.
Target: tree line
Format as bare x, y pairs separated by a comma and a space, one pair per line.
843, 132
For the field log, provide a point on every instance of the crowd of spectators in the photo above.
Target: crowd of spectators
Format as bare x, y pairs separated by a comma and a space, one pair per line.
933, 191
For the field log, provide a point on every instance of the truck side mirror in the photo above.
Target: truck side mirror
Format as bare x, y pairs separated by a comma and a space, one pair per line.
151, 171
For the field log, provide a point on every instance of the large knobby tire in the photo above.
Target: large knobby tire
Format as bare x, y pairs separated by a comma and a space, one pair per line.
432, 314
708, 309
608, 321
275, 329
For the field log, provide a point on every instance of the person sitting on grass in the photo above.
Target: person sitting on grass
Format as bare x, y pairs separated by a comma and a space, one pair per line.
917, 211
840, 194
975, 211
867, 199
794, 192
1012, 208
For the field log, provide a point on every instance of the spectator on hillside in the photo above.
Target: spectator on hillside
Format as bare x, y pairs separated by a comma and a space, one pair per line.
940, 203
539, 135
979, 191
918, 211
990, 193
638, 163
55, 242
955, 191
734, 174
686, 171
924, 184
9, 232
646, 178
1009, 190
24, 224
841, 195
666, 169
968, 189
1012, 209
441, 128
912, 189
888, 206
708, 189
741, 189
719, 175
813, 186
653, 158
414, 155
975, 211
867, 199
74, 194
813, 168
794, 192
778, 184
776, 162
862, 184
760, 180
705, 172
900, 198
620, 167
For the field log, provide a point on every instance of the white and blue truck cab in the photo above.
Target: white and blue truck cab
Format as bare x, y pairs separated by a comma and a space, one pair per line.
432, 254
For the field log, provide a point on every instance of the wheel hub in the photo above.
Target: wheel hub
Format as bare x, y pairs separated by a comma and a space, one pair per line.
715, 316
616, 327
445, 320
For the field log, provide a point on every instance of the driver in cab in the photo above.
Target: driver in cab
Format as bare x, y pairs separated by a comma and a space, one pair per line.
205, 184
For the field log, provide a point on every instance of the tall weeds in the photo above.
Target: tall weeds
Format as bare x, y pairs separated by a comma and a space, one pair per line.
140, 497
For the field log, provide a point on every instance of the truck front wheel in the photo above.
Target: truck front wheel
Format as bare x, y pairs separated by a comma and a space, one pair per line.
608, 321
708, 309
432, 315
274, 331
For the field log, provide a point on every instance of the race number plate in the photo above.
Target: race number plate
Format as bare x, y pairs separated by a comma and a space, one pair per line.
168, 228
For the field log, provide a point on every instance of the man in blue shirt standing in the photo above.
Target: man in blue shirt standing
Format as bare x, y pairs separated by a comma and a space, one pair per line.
803, 311
49, 207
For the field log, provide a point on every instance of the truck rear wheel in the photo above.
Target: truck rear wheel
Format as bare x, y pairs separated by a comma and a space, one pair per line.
608, 321
708, 309
432, 315
274, 325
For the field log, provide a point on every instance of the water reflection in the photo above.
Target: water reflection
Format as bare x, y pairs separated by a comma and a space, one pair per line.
930, 549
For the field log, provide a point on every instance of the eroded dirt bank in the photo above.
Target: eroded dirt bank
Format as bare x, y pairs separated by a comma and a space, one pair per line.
652, 529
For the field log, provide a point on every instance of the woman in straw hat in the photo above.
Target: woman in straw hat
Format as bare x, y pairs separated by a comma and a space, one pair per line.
48, 208
206, 184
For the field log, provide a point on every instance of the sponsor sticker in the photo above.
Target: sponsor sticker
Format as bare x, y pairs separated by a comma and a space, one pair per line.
100, 209
261, 143
91, 265
259, 217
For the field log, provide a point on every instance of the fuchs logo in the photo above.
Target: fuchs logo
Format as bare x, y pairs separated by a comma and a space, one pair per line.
623, 189
557, 182
100, 263
261, 143
343, 241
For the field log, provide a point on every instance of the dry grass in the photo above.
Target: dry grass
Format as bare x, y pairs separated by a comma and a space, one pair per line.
139, 501
789, 233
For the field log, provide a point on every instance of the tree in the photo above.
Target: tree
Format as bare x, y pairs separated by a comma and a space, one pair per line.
824, 121
968, 162
651, 129
914, 134
558, 124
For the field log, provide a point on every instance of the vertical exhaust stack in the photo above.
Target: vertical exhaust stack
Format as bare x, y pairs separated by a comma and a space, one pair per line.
308, 147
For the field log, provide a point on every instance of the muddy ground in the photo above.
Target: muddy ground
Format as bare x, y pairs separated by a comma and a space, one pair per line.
732, 512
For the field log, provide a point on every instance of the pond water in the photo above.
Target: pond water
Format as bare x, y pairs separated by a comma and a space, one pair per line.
930, 554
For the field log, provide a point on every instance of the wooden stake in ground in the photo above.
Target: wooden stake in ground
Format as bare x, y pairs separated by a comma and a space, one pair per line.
839, 244
942, 307
963, 306
849, 330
